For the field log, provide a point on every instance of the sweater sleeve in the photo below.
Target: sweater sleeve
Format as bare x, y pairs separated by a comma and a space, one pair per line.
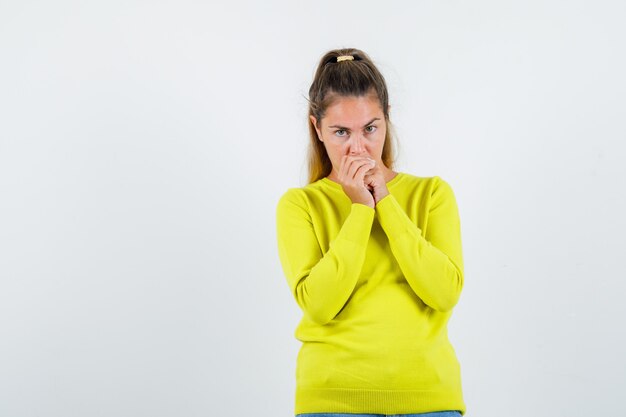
432, 264
320, 282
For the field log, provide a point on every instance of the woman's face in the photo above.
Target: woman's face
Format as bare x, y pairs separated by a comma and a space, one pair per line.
353, 126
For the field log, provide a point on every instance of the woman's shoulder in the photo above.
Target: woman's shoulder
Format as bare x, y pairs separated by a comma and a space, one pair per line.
406, 179
320, 187
313, 196
422, 187
293, 195
302, 195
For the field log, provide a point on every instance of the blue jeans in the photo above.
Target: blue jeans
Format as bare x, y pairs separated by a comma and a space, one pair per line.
433, 414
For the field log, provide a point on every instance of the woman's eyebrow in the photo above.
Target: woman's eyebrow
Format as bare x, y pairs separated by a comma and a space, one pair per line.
347, 128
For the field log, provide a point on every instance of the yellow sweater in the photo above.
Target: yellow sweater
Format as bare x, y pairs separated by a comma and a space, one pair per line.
376, 288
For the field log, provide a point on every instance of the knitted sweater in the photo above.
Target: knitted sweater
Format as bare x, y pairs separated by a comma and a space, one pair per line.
376, 288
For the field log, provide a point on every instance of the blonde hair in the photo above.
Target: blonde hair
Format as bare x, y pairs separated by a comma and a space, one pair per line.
339, 78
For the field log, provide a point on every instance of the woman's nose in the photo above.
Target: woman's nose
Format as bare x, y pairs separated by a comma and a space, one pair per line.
356, 145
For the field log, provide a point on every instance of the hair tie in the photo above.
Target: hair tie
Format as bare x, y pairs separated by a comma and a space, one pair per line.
345, 58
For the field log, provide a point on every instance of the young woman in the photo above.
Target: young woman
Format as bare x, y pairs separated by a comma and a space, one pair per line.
372, 257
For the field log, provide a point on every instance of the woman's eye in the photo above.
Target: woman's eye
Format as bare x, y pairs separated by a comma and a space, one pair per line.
370, 129
339, 132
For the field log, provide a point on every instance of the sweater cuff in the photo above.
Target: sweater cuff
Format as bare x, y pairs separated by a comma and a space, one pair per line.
358, 224
392, 217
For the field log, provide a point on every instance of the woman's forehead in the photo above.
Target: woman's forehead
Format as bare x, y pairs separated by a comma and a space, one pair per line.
353, 110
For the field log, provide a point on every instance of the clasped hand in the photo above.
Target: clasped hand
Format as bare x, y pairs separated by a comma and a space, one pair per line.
362, 180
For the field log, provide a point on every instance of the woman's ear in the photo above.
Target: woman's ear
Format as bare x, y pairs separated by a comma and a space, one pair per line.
314, 121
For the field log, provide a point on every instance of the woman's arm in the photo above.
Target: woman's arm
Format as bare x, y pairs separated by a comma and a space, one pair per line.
320, 282
432, 264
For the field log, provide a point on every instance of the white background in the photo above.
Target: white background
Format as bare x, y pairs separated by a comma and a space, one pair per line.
144, 146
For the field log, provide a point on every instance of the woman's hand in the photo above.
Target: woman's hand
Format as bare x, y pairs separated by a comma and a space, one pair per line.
351, 177
375, 182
